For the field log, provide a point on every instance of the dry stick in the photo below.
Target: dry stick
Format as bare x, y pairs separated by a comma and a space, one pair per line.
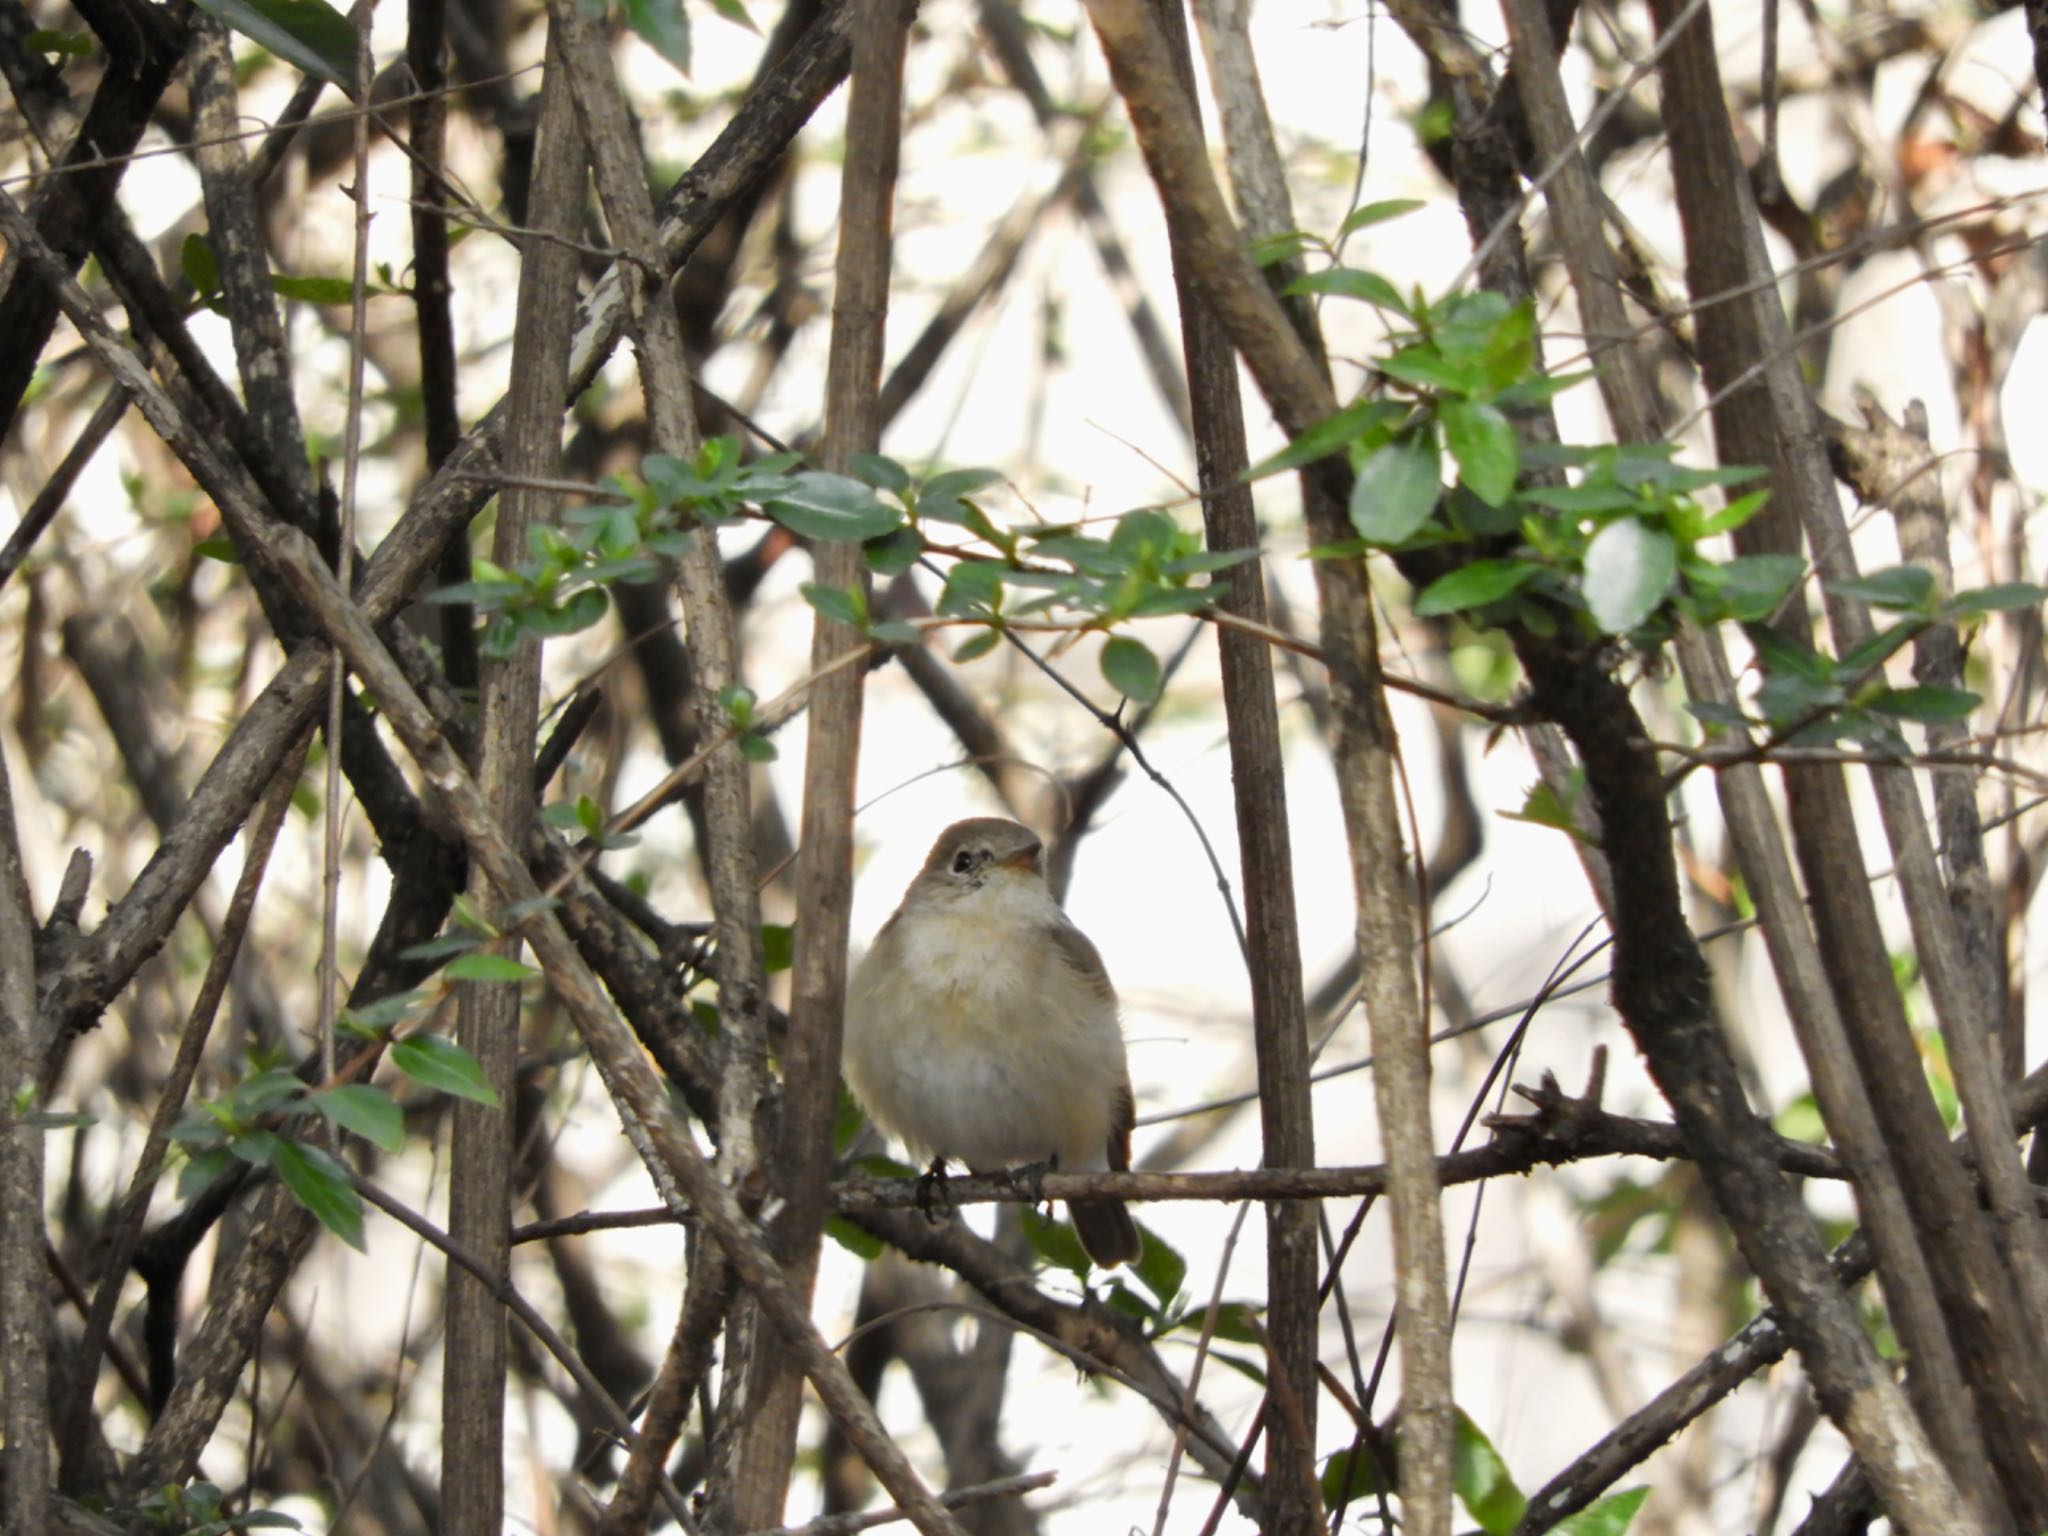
24, 1309
1692, 1065
480, 1149
686, 1181
955, 1498
1259, 791
52, 494
1893, 465
772, 1398
1773, 423
136, 924
1386, 931
665, 383
706, 1300
125, 1227
1938, 1388
492, 1277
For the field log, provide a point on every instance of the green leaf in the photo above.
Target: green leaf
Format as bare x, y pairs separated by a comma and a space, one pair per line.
577, 613
819, 505
313, 290
941, 497
1474, 586
1481, 1478
1160, 1267
256, 1096
778, 947
1055, 1242
1608, 1517
1377, 213
1778, 653
1350, 283
1329, 435
383, 1013
1483, 442
664, 26
220, 547
758, 749
309, 34
368, 1111
1352, 1474
484, 967
1131, 668
201, 268
441, 1064
201, 1169
1396, 489
1629, 568
893, 554
977, 645
884, 474
1927, 704
1750, 588
57, 44
843, 605
972, 586
1236, 1321
855, 1240
322, 1186
1285, 246
1541, 807
1906, 588
1997, 598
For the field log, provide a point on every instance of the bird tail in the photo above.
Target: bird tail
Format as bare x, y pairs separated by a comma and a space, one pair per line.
1107, 1232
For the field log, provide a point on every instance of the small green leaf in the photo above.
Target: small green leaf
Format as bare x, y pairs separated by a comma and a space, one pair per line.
1352, 1474
664, 26
758, 749
976, 645
1377, 213
1474, 586
778, 947
259, 1095
485, 967
1483, 442
201, 1169
201, 269
1329, 435
383, 1013
1905, 588
1997, 598
77, 45
893, 554
322, 1186
220, 547
308, 34
1351, 283
1160, 1267
1285, 246
1925, 704
1541, 807
1055, 1242
1629, 568
368, 1111
1130, 667
843, 605
884, 474
1750, 588
1609, 1517
819, 505
313, 290
942, 498
1481, 1478
1396, 490
1236, 1321
855, 1240
441, 1064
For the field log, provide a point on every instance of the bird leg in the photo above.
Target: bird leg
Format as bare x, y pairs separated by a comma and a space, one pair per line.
933, 1181
1029, 1178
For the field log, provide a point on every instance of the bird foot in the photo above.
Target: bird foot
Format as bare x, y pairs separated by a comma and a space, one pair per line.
1029, 1179
933, 1183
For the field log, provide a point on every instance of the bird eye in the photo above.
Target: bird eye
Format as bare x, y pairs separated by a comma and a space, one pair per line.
963, 861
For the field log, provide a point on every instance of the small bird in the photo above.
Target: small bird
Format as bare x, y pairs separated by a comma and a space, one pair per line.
982, 1026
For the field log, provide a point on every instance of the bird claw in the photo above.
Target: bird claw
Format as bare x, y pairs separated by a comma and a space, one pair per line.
1029, 1178
933, 1182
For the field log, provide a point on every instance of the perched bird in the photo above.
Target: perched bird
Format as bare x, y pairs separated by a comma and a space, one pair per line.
982, 1026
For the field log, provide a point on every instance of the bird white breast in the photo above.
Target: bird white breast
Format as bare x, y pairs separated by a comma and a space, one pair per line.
970, 1036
